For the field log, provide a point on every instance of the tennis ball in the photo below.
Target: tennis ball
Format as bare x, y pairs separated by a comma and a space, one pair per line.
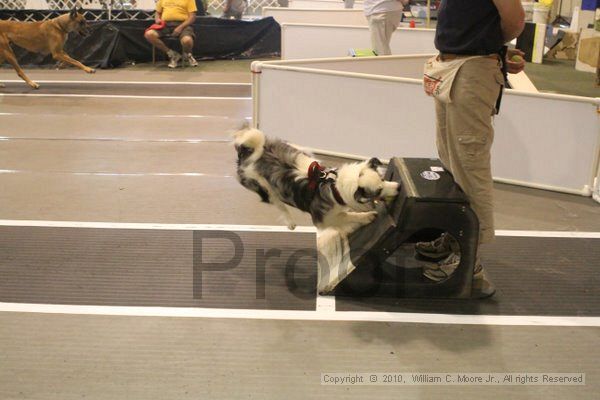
517, 58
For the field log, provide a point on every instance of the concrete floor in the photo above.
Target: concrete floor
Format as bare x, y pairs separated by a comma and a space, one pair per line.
560, 76
168, 160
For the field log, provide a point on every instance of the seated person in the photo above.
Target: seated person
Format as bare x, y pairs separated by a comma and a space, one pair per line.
178, 16
234, 9
201, 7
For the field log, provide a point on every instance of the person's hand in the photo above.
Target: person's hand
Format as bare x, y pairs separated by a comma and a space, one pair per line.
157, 20
515, 62
177, 31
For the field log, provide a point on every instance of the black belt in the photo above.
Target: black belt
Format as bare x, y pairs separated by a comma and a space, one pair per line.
504, 70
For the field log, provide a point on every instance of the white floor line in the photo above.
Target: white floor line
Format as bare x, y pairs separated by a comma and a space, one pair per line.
124, 116
145, 225
325, 304
254, 228
549, 234
131, 174
122, 96
116, 139
362, 316
134, 82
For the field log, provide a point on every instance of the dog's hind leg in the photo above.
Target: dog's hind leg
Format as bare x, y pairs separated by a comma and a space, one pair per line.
3, 40
1, 61
284, 210
7, 54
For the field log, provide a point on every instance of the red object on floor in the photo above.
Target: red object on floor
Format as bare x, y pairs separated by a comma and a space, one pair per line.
412, 23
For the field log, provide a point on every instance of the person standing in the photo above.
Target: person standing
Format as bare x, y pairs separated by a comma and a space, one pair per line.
383, 17
178, 17
466, 80
234, 9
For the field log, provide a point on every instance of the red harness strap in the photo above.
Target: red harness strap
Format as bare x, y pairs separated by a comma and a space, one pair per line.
316, 175
337, 196
315, 172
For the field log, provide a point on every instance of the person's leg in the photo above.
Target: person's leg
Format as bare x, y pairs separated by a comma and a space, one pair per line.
154, 38
227, 10
444, 245
187, 45
464, 139
470, 135
378, 35
441, 132
392, 21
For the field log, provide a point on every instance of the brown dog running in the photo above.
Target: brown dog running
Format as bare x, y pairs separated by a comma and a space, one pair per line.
46, 37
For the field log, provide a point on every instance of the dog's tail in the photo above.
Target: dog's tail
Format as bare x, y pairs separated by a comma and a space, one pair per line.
249, 142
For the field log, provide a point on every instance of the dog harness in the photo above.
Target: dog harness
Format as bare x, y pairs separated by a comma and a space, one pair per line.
318, 175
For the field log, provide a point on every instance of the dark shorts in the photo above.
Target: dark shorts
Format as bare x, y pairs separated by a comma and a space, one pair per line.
168, 30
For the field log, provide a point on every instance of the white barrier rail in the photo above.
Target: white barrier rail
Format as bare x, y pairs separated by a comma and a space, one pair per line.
312, 16
300, 41
307, 41
347, 107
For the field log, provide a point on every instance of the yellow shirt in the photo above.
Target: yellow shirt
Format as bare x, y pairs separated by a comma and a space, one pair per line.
176, 10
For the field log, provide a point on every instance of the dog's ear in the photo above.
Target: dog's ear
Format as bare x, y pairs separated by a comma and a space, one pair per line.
73, 13
374, 163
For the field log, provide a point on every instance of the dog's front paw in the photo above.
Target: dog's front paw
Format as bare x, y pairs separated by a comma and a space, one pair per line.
34, 85
370, 216
390, 189
291, 226
90, 71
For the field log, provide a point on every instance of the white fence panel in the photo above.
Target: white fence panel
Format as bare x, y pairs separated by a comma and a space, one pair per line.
547, 141
410, 66
596, 193
542, 140
307, 16
299, 41
323, 4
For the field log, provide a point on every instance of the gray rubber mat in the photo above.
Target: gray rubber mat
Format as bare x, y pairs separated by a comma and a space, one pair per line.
130, 89
122, 267
533, 276
268, 270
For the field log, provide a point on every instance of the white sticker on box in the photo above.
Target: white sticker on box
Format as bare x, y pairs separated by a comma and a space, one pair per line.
430, 175
437, 169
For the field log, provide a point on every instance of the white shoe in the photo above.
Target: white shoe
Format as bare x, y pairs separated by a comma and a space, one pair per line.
174, 59
189, 58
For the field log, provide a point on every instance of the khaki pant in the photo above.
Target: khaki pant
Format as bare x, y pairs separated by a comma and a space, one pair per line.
382, 26
465, 135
